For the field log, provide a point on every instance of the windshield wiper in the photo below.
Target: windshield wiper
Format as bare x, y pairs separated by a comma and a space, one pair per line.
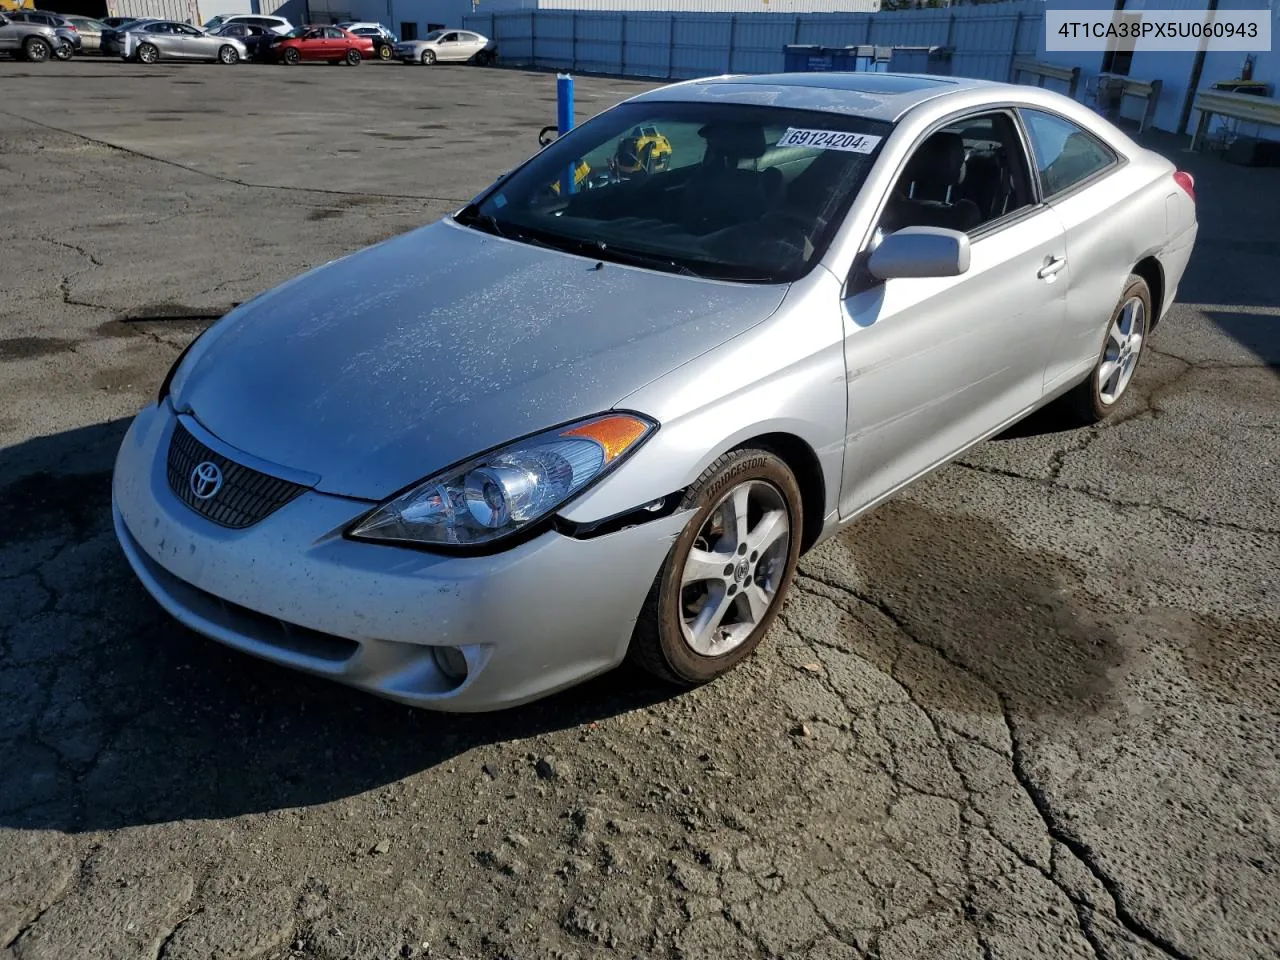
638, 258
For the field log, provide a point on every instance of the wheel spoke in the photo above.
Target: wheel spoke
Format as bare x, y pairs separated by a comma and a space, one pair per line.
772, 527
1106, 373
704, 565
733, 515
1116, 335
706, 625
757, 602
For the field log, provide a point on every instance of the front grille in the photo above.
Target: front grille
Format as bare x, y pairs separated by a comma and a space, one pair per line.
245, 495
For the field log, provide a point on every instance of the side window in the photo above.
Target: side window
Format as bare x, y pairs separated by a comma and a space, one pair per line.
449, 38
963, 177
333, 33
1065, 154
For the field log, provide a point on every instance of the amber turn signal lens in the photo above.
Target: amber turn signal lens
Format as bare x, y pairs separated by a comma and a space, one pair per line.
614, 433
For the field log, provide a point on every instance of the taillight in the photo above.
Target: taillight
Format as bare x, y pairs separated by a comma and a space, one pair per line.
1186, 182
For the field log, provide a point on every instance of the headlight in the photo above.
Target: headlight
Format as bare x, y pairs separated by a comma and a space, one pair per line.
506, 490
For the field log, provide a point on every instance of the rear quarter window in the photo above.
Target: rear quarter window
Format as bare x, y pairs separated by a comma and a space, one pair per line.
1066, 155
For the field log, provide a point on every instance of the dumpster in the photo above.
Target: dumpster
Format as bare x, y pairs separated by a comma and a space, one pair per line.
936, 60
805, 58
812, 58
861, 59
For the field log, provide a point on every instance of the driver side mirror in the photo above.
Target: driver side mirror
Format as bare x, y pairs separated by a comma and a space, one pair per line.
919, 252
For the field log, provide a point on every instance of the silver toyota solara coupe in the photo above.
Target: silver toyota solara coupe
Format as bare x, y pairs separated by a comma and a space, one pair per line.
599, 412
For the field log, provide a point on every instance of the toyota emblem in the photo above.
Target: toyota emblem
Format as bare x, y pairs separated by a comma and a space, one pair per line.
206, 480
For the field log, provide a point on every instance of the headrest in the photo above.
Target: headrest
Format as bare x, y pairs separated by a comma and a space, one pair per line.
740, 141
939, 159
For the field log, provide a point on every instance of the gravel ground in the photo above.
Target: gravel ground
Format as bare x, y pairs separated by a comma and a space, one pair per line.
1029, 709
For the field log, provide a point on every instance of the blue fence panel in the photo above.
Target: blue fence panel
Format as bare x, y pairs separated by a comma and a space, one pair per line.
599, 44
700, 46
837, 31
683, 45
648, 46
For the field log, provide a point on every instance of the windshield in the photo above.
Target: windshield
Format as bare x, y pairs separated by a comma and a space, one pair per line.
720, 190
214, 23
434, 35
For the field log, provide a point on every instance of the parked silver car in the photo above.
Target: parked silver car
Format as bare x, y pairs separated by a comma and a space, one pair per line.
447, 46
155, 40
34, 42
90, 31
67, 39
489, 458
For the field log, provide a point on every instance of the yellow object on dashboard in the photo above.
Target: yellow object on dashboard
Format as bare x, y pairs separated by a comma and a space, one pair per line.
644, 150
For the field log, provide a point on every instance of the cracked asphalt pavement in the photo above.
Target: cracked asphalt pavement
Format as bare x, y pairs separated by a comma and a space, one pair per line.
1028, 709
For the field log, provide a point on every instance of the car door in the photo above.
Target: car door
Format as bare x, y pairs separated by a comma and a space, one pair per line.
8, 34
936, 364
450, 48
470, 45
161, 36
196, 45
1072, 166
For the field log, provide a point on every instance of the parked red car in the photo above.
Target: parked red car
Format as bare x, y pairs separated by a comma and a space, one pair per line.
323, 43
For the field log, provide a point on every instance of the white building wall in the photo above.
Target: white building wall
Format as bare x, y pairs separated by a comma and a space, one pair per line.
1173, 68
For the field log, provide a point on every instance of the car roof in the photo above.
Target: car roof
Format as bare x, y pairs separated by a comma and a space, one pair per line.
877, 96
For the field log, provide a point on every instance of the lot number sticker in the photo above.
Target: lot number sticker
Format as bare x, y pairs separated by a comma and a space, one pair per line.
829, 140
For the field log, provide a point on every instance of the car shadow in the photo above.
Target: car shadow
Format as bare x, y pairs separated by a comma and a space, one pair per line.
115, 715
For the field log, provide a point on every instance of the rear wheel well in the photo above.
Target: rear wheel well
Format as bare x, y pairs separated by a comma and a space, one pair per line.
1151, 271
803, 463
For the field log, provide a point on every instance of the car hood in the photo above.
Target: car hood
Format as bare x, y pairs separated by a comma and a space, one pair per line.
377, 370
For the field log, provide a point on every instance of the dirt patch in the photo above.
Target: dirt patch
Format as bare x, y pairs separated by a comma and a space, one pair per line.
28, 348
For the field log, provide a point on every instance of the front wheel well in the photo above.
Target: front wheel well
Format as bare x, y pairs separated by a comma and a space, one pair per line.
803, 463
1151, 272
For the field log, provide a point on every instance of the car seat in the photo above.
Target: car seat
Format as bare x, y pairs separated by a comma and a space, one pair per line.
928, 192
721, 191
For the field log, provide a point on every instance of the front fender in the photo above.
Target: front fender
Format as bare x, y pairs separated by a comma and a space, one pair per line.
786, 375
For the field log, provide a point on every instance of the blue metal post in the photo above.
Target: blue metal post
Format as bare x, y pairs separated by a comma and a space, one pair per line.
564, 123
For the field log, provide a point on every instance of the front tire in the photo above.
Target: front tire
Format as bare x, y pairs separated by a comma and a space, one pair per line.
428, 58
384, 52
36, 50
1122, 344
228, 55
292, 57
724, 580
64, 51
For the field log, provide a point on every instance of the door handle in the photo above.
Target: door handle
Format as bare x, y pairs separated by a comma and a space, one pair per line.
1051, 267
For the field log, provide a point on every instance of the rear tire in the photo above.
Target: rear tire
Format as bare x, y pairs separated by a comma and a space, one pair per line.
353, 58
675, 638
148, 53
228, 55
36, 50
1097, 397
64, 51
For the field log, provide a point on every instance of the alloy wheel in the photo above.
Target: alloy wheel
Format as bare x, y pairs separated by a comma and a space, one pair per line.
731, 577
1123, 347
148, 54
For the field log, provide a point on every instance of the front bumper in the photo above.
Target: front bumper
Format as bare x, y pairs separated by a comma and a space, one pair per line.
537, 618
